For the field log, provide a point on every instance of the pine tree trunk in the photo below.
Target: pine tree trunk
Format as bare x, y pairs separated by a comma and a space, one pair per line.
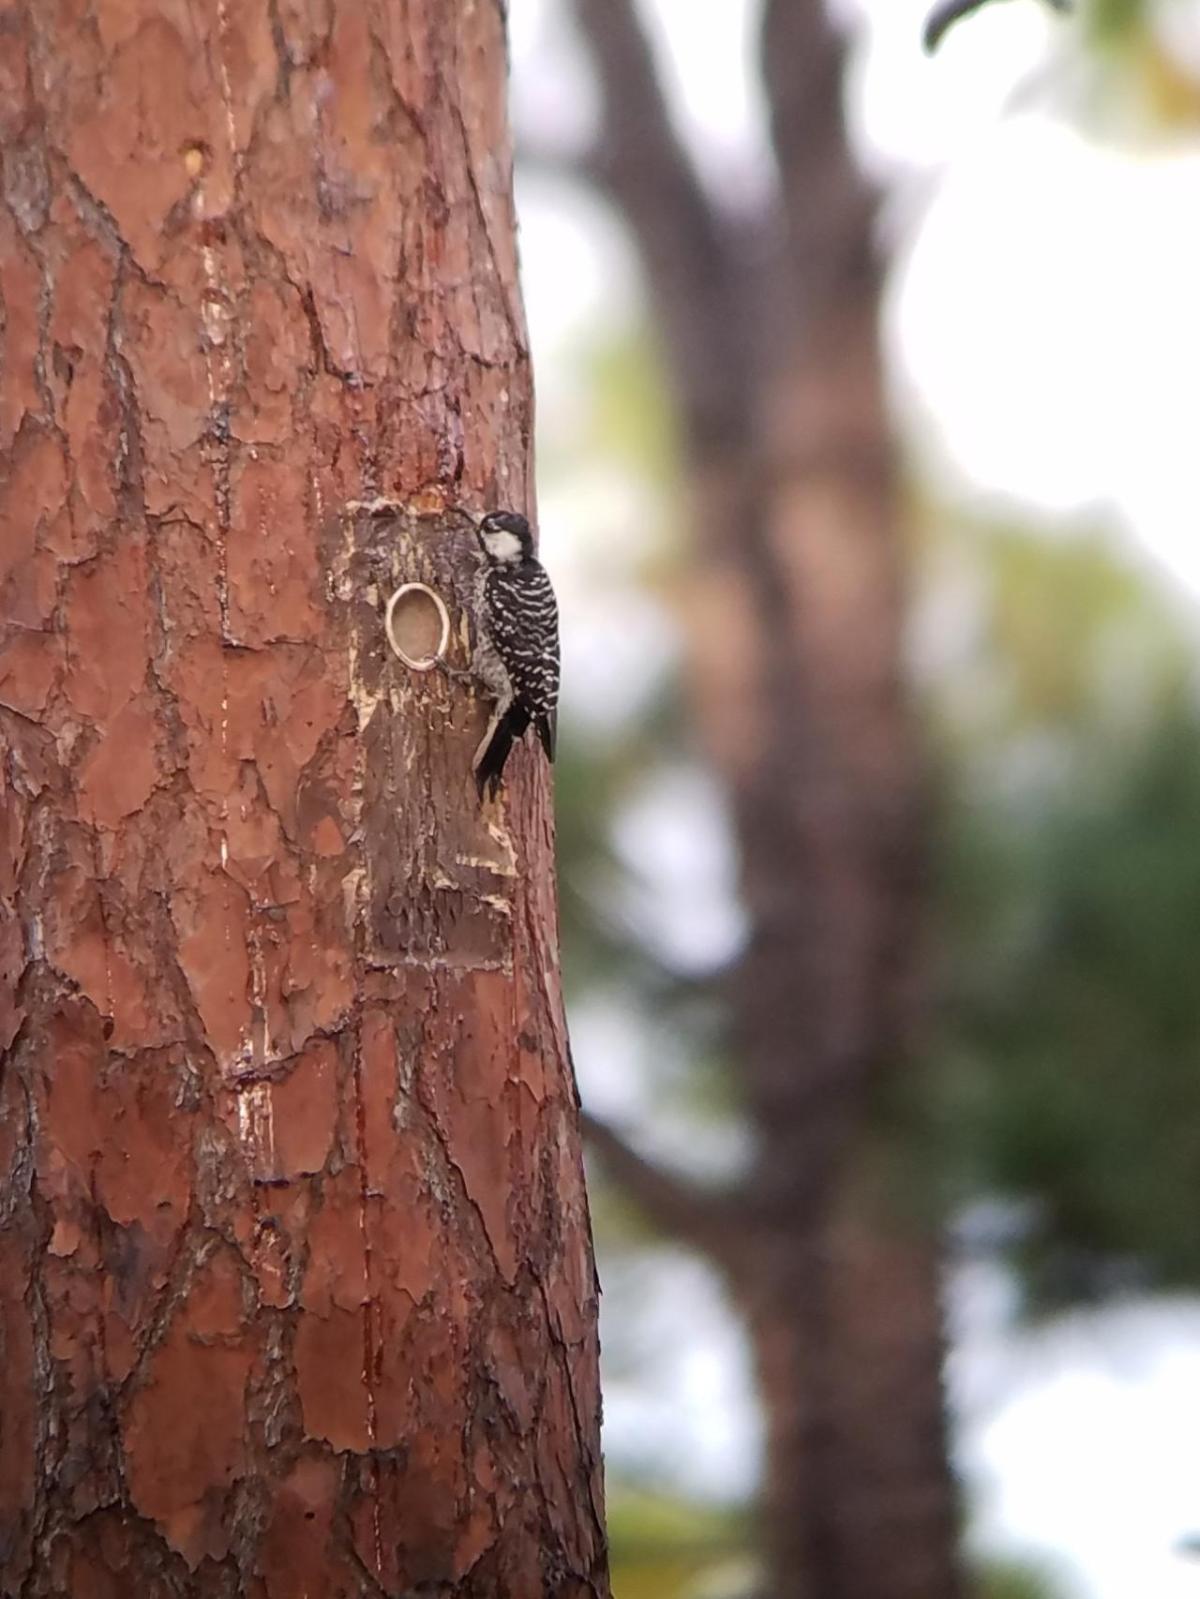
768, 322
296, 1289
858, 1501
799, 691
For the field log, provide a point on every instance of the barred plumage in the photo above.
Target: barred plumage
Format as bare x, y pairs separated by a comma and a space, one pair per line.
516, 651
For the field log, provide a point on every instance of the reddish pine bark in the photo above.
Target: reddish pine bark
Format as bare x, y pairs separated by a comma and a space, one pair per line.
296, 1290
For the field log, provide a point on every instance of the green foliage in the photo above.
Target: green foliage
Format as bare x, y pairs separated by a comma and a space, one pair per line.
1134, 83
1072, 643
945, 15
1114, 21
633, 418
588, 785
1009, 1579
666, 1548
1070, 1054
1131, 79
1065, 1071
627, 426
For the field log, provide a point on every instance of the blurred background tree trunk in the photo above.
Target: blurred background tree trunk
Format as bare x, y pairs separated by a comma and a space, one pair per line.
769, 324
296, 1288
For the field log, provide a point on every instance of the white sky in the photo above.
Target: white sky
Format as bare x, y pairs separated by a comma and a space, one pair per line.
1045, 327
1044, 321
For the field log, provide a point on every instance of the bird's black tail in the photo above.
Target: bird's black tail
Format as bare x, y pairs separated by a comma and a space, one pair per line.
491, 763
547, 727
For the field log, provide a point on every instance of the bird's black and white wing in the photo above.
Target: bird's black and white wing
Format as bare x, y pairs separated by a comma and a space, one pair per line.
519, 660
523, 617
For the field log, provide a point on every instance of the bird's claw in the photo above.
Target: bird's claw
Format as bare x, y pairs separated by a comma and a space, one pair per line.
455, 673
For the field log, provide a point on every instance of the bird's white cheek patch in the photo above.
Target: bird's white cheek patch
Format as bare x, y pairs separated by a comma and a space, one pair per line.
503, 546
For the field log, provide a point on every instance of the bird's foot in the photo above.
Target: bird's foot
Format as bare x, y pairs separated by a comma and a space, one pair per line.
455, 673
